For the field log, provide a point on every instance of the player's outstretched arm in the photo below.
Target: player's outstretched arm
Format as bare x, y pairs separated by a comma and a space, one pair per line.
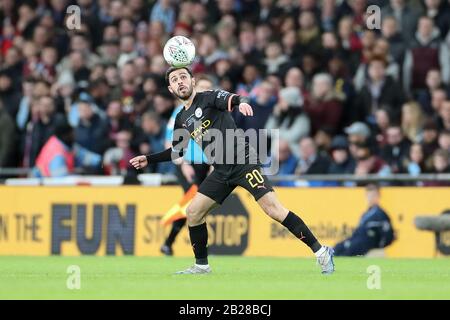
141, 162
226, 101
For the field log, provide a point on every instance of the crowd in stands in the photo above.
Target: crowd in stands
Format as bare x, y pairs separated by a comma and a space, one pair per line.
347, 99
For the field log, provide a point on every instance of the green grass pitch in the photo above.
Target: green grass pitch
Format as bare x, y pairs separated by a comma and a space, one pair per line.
232, 278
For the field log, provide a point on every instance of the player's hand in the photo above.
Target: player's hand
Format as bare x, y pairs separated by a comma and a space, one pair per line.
245, 109
139, 162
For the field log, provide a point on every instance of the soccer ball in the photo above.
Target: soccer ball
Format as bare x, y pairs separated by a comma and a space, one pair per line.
179, 51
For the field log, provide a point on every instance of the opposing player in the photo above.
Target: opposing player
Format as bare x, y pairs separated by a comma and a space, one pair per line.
205, 114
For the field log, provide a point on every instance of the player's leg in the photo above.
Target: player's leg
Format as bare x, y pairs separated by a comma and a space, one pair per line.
177, 225
212, 192
201, 171
256, 183
274, 209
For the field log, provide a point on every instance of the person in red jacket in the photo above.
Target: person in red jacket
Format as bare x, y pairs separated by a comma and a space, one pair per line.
59, 156
324, 107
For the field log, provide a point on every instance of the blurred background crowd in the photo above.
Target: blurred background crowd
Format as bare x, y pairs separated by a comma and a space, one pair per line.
347, 99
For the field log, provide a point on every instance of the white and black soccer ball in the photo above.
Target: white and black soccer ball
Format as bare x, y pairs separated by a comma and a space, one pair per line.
179, 51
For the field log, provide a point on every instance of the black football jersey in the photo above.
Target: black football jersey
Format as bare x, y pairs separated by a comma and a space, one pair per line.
209, 123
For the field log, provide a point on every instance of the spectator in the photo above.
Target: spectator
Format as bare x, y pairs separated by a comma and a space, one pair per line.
311, 67
328, 15
350, 41
294, 78
381, 90
444, 140
324, 107
92, 131
27, 21
164, 12
342, 162
438, 97
117, 158
152, 140
441, 162
163, 104
433, 83
79, 42
367, 162
129, 86
109, 51
412, 121
112, 76
266, 12
286, 159
7, 138
343, 87
382, 123
311, 161
289, 117
262, 100
116, 121
373, 231
251, 78
209, 52
440, 165
274, 57
358, 12
380, 49
323, 138
397, 148
31, 58
127, 50
331, 47
415, 163
100, 92
430, 138
9, 96
44, 126
60, 156
368, 40
23, 113
404, 13
397, 43
309, 32
426, 52
439, 11
247, 45
264, 34
358, 133
290, 44
443, 120
226, 29
78, 67
46, 67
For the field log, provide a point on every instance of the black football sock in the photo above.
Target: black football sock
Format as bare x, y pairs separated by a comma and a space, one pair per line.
176, 228
199, 241
299, 229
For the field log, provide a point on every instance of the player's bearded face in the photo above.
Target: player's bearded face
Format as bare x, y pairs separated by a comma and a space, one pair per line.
184, 91
181, 84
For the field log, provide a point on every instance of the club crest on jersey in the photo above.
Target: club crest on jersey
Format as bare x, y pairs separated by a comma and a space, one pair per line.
198, 112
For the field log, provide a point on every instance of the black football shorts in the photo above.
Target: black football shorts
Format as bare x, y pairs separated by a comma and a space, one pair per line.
219, 185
